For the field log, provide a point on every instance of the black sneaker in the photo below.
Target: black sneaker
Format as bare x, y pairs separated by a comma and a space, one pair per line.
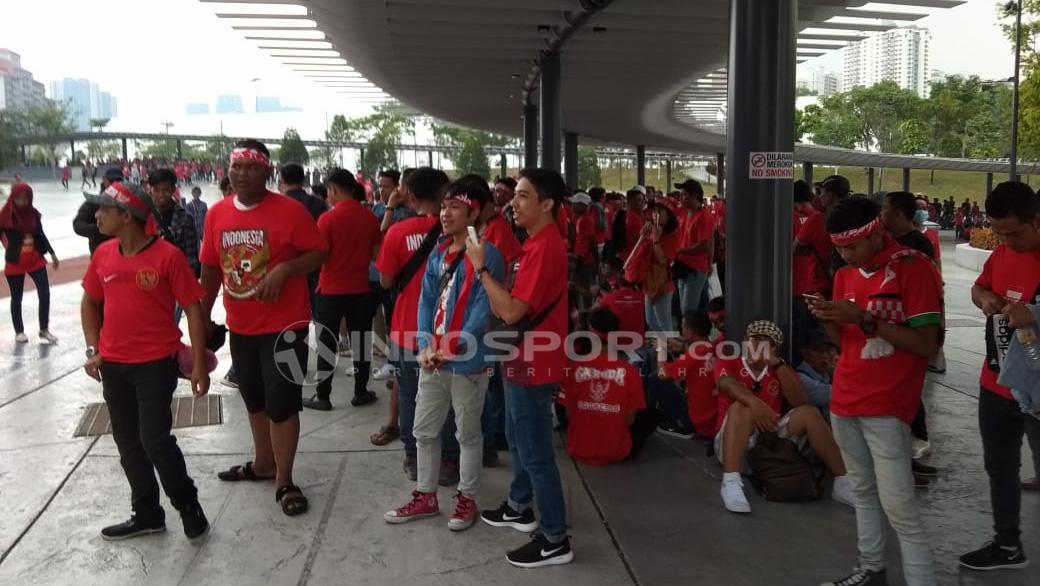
361, 400
131, 528
449, 475
995, 557
411, 468
861, 577
924, 469
318, 404
540, 552
675, 431
195, 523
506, 516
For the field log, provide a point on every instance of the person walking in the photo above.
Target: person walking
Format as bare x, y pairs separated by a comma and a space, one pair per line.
26, 244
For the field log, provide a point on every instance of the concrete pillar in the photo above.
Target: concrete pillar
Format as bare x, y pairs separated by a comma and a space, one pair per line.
668, 176
641, 165
530, 135
503, 166
570, 160
989, 184
906, 179
72, 151
551, 112
720, 163
761, 119
429, 156
870, 181
25, 154
180, 154
807, 169
126, 151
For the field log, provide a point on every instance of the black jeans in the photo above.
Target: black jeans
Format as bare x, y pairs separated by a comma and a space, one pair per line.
359, 310
17, 285
1002, 425
138, 398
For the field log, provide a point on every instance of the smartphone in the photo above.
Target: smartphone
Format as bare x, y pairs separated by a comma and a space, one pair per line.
473, 234
813, 297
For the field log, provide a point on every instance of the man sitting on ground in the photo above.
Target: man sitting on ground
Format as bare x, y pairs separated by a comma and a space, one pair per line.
816, 371
695, 413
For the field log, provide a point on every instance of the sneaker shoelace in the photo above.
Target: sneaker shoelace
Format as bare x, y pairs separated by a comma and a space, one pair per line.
858, 577
464, 507
413, 505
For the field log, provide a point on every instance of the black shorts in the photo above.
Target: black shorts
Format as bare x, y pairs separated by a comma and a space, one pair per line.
271, 369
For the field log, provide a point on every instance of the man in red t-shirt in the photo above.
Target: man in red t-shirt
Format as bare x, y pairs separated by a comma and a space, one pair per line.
533, 375
602, 396
1009, 282
626, 302
751, 389
629, 224
885, 316
696, 233
586, 246
812, 238
352, 236
134, 280
259, 246
807, 274
403, 240
694, 413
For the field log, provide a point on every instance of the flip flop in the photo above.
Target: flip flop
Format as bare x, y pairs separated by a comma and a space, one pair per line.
385, 435
244, 472
291, 498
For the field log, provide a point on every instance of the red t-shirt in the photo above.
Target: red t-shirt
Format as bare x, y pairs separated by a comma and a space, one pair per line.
1015, 276
814, 234
770, 389
350, 231
563, 222
701, 395
807, 274
599, 395
540, 281
139, 294
629, 305
400, 242
29, 259
633, 225
501, 236
696, 227
585, 237
933, 237
904, 292
245, 244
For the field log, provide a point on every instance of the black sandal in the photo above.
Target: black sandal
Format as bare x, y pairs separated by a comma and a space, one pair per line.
292, 500
245, 472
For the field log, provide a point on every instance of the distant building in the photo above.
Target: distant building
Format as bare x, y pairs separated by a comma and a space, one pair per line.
84, 101
900, 55
229, 104
266, 104
18, 89
197, 108
819, 82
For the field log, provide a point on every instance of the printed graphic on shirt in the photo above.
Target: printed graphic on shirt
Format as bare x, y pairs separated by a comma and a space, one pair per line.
1000, 330
599, 388
27, 244
244, 255
412, 242
147, 278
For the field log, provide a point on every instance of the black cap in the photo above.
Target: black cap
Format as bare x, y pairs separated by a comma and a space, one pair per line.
836, 184
114, 174
692, 186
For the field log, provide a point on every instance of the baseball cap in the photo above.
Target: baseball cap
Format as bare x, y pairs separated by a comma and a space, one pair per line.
639, 188
581, 197
766, 328
836, 184
114, 174
691, 186
129, 197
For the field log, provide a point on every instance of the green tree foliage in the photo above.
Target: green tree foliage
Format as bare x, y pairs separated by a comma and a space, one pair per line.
589, 174
292, 148
50, 120
968, 117
383, 131
1029, 89
467, 148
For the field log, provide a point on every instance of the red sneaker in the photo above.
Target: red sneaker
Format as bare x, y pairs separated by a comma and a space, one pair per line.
423, 504
1033, 484
465, 514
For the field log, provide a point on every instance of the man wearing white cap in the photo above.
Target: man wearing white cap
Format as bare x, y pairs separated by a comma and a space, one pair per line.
585, 245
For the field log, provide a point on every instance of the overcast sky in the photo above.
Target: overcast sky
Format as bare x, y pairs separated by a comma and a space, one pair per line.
156, 61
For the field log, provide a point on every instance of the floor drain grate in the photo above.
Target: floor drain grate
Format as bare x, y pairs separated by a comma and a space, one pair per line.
187, 412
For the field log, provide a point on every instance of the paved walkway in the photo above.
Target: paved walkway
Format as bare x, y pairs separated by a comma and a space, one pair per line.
654, 521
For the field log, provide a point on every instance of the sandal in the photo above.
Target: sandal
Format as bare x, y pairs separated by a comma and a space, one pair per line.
385, 435
292, 500
245, 472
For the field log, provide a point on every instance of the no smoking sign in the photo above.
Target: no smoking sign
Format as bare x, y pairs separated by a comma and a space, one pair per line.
772, 165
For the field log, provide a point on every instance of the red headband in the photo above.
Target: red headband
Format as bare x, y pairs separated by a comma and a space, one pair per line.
128, 200
855, 234
474, 204
248, 154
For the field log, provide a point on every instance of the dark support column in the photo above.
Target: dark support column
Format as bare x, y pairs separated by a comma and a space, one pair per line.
761, 119
906, 179
570, 160
551, 112
641, 165
870, 181
503, 165
807, 169
180, 154
126, 151
989, 184
720, 170
72, 151
530, 135
668, 176
429, 156
361, 161
25, 154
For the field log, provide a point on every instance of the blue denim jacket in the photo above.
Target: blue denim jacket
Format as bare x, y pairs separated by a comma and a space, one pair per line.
1021, 375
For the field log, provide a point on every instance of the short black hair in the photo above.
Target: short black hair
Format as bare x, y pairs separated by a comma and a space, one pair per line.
698, 321
224, 183
252, 143
160, 176
902, 201
548, 184
1013, 198
596, 194
426, 183
320, 190
716, 304
603, 320
632, 193
508, 182
474, 187
802, 192
196, 189
293, 174
344, 180
391, 174
851, 213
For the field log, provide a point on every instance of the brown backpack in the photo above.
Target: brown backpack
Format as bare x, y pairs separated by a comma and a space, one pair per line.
780, 471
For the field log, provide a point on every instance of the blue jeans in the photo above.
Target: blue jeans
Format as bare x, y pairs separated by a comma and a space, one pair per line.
407, 374
691, 288
659, 313
877, 454
493, 422
670, 402
529, 429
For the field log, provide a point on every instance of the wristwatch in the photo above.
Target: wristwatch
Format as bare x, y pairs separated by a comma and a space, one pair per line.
91, 351
481, 271
868, 324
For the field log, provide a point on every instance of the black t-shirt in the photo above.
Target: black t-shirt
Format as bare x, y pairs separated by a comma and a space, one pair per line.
919, 242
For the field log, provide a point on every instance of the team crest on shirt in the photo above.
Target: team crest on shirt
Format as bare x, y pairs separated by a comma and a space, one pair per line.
147, 278
773, 388
244, 256
599, 391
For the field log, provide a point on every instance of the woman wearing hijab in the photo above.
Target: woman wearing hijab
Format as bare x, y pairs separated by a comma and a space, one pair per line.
21, 232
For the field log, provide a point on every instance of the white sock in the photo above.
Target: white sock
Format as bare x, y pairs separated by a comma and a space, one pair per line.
730, 477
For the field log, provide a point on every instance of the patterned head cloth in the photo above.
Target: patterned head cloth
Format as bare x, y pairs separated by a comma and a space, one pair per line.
766, 328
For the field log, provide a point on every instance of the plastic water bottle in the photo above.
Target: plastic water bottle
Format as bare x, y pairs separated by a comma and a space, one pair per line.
1030, 347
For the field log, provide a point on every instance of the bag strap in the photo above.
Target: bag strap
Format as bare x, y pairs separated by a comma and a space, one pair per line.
538, 318
449, 272
410, 268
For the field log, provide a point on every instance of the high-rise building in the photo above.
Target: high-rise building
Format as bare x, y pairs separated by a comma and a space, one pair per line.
229, 104
266, 104
900, 55
819, 81
196, 108
18, 89
84, 101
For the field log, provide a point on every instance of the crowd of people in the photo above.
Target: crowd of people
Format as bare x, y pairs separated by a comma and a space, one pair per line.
507, 310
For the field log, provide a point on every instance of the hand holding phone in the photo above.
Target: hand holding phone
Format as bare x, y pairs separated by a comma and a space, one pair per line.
473, 234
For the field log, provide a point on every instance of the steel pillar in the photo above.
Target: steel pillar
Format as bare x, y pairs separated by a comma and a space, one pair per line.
503, 165
570, 160
25, 155
989, 184
641, 165
126, 151
180, 154
530, 135
551, 111
429, 157
72, 151
870, 181
668, 176
720, 173
807, 169
906, 179
761, 119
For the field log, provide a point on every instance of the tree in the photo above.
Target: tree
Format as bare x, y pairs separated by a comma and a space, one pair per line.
467, 148
158, 149
589, 174
382, 130
292, 148
217, 149
48, 121
805, 121
913, 137
832, 123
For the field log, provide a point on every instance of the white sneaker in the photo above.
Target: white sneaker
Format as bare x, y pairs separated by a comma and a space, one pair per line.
21, 338
47, 337
383, 372
733, 496
920, 449
842, 492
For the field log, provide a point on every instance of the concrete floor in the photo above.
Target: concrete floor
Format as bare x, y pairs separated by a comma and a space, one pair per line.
657, 520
